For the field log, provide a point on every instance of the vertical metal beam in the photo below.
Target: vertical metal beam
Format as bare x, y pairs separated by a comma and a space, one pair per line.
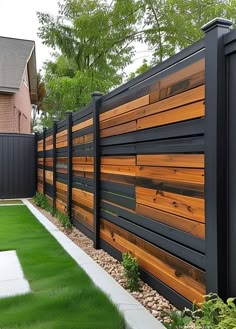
69, 163
54, 168
96, 147
44, 159
36, 160
216, 157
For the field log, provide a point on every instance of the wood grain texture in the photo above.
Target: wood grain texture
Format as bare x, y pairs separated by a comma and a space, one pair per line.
121, 160
172, 160
83, 139
83, 160
186, 112
195, 95
192, 75
118, 170
82, 197
120, 129
139, 102
177, 274
181, 205
175, 174
83, 216
82, 125
181, 223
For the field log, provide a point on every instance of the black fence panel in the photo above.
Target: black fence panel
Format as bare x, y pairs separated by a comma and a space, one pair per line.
17, 166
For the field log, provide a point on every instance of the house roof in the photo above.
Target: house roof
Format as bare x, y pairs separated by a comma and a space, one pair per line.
15, 54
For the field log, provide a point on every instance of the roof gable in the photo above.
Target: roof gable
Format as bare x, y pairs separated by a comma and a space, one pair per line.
14, 56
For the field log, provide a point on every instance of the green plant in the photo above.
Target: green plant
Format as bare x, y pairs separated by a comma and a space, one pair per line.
130, 266
214, 313
64, 220
42, 201
179, 320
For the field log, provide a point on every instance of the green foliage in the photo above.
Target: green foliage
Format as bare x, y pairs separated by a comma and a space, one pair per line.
93, 41
179, 320
42, 201
215, 314
171, 25
130, 266
64, 220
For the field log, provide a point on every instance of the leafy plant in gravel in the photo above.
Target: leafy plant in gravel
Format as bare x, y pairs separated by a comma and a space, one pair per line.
214, 313
179, 320
64, 220
42, 201
130, 266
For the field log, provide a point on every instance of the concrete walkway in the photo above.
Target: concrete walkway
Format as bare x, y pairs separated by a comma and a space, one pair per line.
136, 316
12, 281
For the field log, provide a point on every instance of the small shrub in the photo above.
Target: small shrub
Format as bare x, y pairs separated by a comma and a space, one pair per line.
64, 220
178, 320
42, 201
214, 313
130, 266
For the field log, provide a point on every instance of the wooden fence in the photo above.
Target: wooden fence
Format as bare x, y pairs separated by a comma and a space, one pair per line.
129, 170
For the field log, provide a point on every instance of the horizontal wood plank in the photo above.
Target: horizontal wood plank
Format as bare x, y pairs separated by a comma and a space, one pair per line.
139, 102
186, 112
171, 160
192, 208
181, 223
169, 269
175, 174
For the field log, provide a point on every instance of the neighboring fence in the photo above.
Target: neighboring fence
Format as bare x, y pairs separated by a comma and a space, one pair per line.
17, 166
129, 170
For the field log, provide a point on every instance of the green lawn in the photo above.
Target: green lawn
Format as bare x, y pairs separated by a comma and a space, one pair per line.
63, 296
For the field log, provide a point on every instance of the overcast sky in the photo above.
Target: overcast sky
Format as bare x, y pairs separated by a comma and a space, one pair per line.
18, 19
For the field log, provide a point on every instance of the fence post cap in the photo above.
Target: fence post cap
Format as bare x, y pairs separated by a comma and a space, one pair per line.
96, 94
216, 22
69, 112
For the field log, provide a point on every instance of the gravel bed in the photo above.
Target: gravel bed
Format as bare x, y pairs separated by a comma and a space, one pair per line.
156, 304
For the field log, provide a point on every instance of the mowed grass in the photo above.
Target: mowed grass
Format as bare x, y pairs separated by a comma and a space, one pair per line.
63, 296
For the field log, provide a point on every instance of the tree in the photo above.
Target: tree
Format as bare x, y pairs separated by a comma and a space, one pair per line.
93, 40
172, 25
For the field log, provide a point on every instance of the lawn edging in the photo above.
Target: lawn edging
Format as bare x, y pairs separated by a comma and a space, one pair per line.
136, 316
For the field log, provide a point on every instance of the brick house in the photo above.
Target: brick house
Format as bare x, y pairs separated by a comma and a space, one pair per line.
18, 84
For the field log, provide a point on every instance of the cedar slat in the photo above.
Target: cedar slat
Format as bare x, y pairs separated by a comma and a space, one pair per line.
82, 125
82, 160
121, 160
120, 129
81, 167
118, 170
139, 102
187, 73
186, 112
175, 174
172, 160
177, 204
172, 271
181, 223
83, 139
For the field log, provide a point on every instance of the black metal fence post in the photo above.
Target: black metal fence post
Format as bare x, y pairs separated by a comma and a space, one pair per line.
96, 147
44, 159
36, 160
216, 157
54, 168
69, 164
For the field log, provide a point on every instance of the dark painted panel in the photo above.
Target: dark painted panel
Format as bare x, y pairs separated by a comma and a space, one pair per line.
17, 166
